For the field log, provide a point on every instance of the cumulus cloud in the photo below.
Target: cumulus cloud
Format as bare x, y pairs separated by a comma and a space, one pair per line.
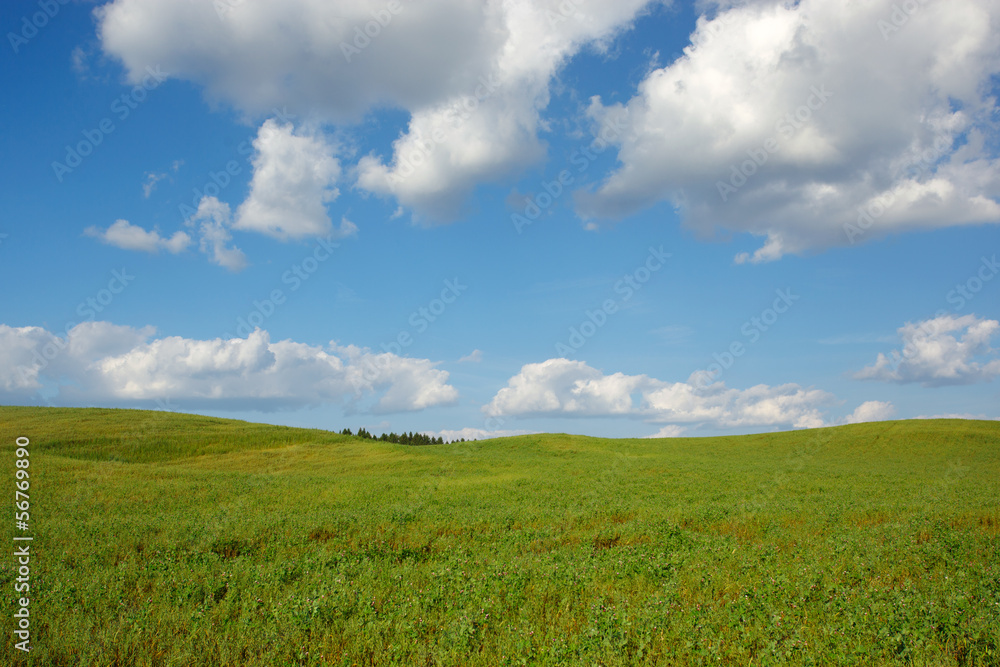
125, 235
18, 373
214, 220
572, 388
264, 54
489, 129
945, 350
98, 362
810, 125
470, 433
871, 411
473, 74
32, 356
293, 181
668, 431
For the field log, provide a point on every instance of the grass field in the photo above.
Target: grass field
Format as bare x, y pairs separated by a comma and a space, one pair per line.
167, 539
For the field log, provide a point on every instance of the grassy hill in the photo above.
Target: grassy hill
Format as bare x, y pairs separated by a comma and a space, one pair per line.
167, 539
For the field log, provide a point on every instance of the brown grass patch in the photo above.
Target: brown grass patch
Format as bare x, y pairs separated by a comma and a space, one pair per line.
990, 523
742, 530
543, 545
229, 549
606, 542
321, 535
449, 531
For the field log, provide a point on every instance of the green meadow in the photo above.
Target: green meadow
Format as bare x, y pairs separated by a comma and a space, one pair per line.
167, 539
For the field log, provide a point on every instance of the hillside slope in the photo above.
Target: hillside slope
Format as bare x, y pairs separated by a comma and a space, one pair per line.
163, 538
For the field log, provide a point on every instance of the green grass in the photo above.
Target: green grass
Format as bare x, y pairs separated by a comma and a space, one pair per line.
166, 539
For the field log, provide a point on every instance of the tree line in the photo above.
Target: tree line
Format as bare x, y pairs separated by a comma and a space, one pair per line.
410, 438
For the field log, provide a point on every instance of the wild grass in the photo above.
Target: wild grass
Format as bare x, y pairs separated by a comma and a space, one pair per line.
167, 539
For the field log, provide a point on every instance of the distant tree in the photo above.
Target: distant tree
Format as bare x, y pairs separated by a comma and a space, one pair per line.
404, 438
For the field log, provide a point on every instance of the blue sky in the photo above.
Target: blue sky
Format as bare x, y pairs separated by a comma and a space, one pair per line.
617, 219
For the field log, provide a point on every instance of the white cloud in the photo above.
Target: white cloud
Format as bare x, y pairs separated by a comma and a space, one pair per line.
123, 234
871, 411
933, 356
470, 433
152, 179
898, 126
954, 415
435, 177
489, 129
561, 386
411, 384
101, 362
17, 349
472, 357
293, 181
572, 388
263, 54
668, 431
33, 355
216, 220
346, 229
431, 59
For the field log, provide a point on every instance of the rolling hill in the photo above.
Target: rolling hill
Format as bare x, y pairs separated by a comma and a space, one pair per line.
170, 539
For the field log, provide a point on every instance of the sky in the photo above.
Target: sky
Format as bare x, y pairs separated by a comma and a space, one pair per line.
480, 218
